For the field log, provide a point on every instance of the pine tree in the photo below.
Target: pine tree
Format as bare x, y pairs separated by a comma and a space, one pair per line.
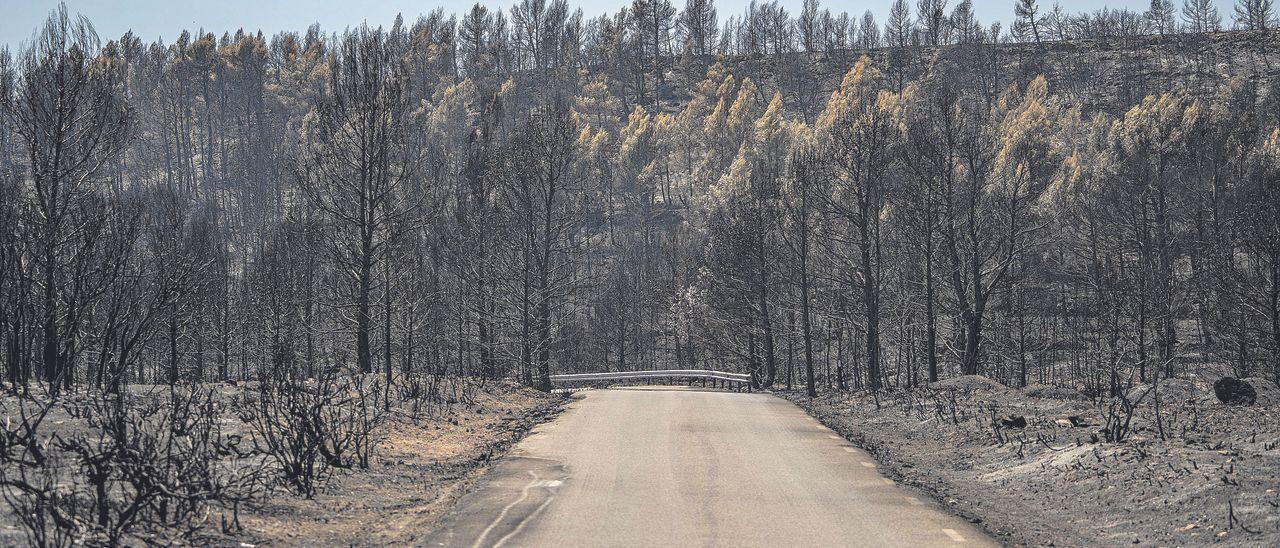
1160, 17
1255, 14
964, 25
856, 132
869, 32
1201, 16
807, 25
1027, 16
697, 24
898, 29
358, 165
932, 22
67, 112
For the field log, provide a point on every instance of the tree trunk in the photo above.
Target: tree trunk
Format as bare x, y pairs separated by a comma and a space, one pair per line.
806, 326
766, 324
544, 346
930, 315
871, 298
173, 349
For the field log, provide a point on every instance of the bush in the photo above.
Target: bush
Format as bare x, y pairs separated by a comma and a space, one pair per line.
309, 428
153, 465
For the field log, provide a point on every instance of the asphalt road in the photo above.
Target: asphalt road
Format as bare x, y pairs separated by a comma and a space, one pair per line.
671, 467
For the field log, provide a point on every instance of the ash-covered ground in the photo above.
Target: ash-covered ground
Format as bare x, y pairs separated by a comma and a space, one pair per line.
1195, 472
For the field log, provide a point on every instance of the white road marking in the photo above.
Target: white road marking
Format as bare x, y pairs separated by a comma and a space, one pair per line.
957, 537
539, 458
868, 464
524, 494
524, 521
914, 501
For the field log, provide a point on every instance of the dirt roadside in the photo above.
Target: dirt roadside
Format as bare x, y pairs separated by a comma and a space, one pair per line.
420, 470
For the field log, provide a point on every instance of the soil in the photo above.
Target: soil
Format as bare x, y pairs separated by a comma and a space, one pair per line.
1203, 473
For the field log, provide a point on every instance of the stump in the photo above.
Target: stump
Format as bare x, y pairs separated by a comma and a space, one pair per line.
1233, 391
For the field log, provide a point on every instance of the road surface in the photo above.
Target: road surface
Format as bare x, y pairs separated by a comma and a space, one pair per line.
671, 467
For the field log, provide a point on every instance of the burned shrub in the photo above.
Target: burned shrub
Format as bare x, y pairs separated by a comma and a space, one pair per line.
310, 427
419, 393
142, 466
1118, 416
20, 440
46, 513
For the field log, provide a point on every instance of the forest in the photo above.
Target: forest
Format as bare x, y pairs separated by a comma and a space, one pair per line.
330, 223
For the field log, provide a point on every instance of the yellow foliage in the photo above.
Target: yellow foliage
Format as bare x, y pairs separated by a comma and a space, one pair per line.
770, 123
856, 89
597, 103
716, 121
585, 136
1269, 152
451, 115
636, 132
744, 107
726, 86
1025, 131
1087, 164
1157, 125
734, 181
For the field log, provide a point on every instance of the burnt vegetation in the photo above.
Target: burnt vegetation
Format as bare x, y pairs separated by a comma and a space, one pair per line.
230, 264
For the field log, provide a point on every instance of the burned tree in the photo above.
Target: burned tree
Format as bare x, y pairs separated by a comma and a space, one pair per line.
68, 114
357, 167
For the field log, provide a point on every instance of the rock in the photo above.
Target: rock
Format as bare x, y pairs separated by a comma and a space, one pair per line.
1233, 391
1064, 423
1013, 421
1268, 392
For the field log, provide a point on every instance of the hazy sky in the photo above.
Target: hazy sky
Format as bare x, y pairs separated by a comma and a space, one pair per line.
152, 19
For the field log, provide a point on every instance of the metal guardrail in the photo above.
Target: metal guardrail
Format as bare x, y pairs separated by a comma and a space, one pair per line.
659, 374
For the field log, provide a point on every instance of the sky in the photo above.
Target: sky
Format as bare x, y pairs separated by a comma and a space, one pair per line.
165, 19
